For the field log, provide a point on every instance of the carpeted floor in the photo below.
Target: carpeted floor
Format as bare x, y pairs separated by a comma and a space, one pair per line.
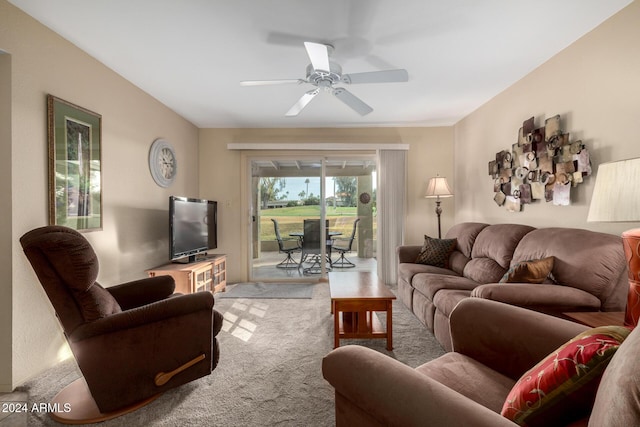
269, 372
269, 290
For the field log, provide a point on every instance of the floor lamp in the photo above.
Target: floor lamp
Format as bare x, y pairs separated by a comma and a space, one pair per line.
616, 198
437, 188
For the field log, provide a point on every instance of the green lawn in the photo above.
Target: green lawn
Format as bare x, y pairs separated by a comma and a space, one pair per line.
290, 219
307, 211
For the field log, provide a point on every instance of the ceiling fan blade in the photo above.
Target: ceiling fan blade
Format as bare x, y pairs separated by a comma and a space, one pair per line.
319, 55
270, 82
302, 102
352, 101
387, 76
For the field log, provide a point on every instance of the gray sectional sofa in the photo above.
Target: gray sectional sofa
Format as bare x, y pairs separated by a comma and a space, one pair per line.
589, 272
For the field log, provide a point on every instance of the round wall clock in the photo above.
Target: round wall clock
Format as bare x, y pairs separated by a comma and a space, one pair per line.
365, 198
162, 163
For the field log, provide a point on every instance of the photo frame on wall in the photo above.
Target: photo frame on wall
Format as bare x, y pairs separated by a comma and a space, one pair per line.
74, 137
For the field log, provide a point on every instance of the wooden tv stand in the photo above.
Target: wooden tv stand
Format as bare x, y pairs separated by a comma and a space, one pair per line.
208, 274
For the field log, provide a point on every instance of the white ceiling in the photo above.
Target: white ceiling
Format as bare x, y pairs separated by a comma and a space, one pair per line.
192, 54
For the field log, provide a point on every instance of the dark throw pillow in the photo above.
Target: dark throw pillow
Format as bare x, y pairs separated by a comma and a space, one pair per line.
436, 252
562, 387
533, 271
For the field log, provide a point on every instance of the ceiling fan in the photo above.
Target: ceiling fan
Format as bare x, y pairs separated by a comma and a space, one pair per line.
324, 74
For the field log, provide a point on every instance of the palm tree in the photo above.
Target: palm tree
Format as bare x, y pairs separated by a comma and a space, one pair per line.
306, 181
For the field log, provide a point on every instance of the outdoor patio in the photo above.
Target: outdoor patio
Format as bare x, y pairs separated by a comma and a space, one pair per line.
265, 268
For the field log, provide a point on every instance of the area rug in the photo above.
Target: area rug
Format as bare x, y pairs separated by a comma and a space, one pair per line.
269, 290
270, 370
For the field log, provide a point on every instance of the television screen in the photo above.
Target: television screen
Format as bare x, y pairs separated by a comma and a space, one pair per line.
192, 227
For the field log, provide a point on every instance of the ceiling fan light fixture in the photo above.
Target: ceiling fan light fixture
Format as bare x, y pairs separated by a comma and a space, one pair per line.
334, 75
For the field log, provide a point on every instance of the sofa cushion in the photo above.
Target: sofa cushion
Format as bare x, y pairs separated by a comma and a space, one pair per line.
447, 299
551, 299
429, 284
424, 309
493, 250
408, 270
587, 260
484, 270
561, 388
533, 271
469, 378
436, 252
465, 233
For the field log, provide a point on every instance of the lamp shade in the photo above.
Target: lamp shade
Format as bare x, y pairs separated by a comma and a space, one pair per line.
438, 187
616, 196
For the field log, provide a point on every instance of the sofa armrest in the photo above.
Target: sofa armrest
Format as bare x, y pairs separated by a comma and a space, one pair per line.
408, 253
143, 291
394, 394
545, 298
145, 315
506, 338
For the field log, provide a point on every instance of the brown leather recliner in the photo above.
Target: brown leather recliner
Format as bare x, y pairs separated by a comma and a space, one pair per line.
131, 341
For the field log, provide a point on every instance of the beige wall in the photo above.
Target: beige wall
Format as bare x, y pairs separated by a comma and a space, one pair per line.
134, 235
5, 224
430, 152
594, 85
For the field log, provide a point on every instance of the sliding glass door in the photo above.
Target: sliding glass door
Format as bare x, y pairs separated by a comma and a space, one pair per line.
311, 215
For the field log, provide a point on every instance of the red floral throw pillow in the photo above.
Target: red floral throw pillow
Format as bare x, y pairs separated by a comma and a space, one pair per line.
562, 387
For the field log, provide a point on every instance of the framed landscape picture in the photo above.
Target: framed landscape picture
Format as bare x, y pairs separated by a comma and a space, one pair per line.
75, 189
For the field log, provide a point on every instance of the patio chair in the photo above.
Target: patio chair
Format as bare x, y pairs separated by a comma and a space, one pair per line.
287, 245
311, 246
343, 245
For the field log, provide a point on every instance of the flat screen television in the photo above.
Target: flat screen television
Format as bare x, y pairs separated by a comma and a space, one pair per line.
193, 226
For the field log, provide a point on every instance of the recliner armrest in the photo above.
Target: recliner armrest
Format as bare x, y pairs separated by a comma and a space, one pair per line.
396, 395
137, 345
140, 316
506, 338
143, 291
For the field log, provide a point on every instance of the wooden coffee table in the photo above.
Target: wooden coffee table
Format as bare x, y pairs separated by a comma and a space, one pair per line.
355, 296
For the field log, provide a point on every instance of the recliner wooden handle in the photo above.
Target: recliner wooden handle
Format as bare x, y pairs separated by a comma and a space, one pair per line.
163, 377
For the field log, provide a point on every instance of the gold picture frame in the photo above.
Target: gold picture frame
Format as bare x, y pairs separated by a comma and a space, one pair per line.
74, 136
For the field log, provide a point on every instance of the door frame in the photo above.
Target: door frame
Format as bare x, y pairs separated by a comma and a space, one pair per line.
267, 149
302, 155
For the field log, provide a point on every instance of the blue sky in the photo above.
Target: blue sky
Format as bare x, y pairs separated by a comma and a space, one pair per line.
295, 185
